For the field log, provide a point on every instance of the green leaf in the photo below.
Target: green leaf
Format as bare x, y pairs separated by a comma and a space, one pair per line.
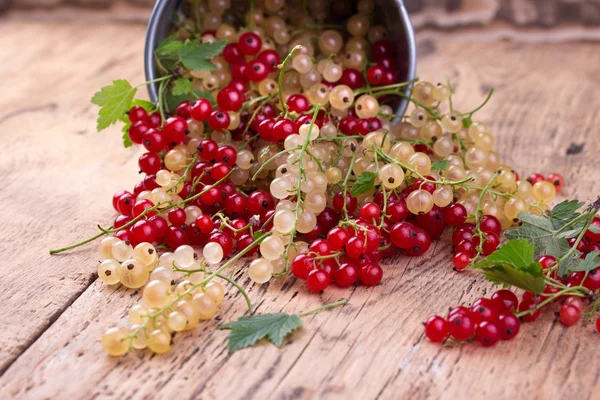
518, 253
181, 86
440, 165
567, 210
126, 141
173, 101
170, 46
510, 276
513, 264
540, 230
591, 262
363, 184
114, 101
246, 331
195, 56
145, 104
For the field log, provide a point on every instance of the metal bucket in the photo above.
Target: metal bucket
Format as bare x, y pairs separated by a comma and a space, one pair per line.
392, 14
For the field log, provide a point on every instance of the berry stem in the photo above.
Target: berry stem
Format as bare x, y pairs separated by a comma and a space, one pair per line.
340, 302
470, 114
282, 66
352, 160
377, 89
573, 291
478, 213
240, 289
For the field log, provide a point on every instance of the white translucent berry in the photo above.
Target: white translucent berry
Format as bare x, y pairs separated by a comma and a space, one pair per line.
213, 253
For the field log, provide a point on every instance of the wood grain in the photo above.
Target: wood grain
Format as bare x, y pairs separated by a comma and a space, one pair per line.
59, 175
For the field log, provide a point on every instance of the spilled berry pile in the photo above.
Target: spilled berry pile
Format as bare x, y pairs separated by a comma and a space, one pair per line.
274, 137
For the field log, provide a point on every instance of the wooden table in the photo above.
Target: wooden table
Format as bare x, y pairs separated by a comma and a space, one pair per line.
58, 176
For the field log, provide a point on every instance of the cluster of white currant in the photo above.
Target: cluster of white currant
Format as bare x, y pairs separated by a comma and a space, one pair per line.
177, 297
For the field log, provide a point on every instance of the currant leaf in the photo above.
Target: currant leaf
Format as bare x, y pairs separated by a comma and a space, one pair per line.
196, 57
541, 231
512, 264
170, 46
114, 101
126, 140
246, 331
440, 165
363, 184
590, 262
181, 87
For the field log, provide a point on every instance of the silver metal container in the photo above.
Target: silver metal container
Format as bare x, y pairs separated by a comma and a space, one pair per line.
390, 13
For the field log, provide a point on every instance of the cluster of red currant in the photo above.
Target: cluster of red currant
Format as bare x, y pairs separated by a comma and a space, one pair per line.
556, 179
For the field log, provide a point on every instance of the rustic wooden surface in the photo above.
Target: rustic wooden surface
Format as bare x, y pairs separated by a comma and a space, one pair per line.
58, 176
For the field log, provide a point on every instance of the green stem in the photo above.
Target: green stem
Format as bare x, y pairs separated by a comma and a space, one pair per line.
550, 299
240, 289
385, 88
470, 114
340, 302
352, 160
478, 211
162, 78
282, 66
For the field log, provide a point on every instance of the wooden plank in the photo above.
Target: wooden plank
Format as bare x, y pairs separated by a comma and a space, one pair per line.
57, 172
374, 346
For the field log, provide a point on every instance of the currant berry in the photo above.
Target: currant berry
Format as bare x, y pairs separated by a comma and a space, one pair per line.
487, 334
454, 215
137, 114
346, 275
569, 315
249, 43
154, 141
489, 223
461, 326
505, 300
461, 261
557, 180
436, 328
355, 247
337, 238
484, 310
302, 265
175, 129
338, 203
371, 274
230, 99
317, 280
508, 325
149, 163
218, 120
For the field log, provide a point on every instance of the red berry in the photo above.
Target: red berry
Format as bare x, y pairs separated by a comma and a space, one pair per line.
125, 204
352, 78
455, 214
436, 328
508, 325
557, 180
320, 247
317, 280
484, 310
176, 216
259, 202
270, 58
302, 265
175, 129
149, 163
183, 109
505, 300
487, 334
460, 261
244, 242
355, 247
370, 212
225, 240
592, 236
207, 149
298, 103
489, 223
461, 326
338, 203
547, 261
160, 226
116, 198
535, 178
256, 71
201, 109
226, 155
490, 244
569, 315
154, 120
249, 43
230, 99
137, 114
575, 302
459, 310
154, 141
346, 275
337, 238
381, 49
402, 234
371, 274
526, 305
205, 224
235, 205
218, 120
232, 53
375, 74
176, 237
420, 243
592, 281
143, 231
140, 207
121, 220
397, 211
467, 247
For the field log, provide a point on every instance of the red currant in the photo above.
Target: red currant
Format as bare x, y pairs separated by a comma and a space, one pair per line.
346, 275
176, 237
508, 325
487, 334
249, 43
137, 114
505, 300
371, 274
436, 328
143, 231
569, 315
230, 99
460, 261
175, 129
176, 216
218, 120
317, 280
154, 141
455, 214
461, 326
